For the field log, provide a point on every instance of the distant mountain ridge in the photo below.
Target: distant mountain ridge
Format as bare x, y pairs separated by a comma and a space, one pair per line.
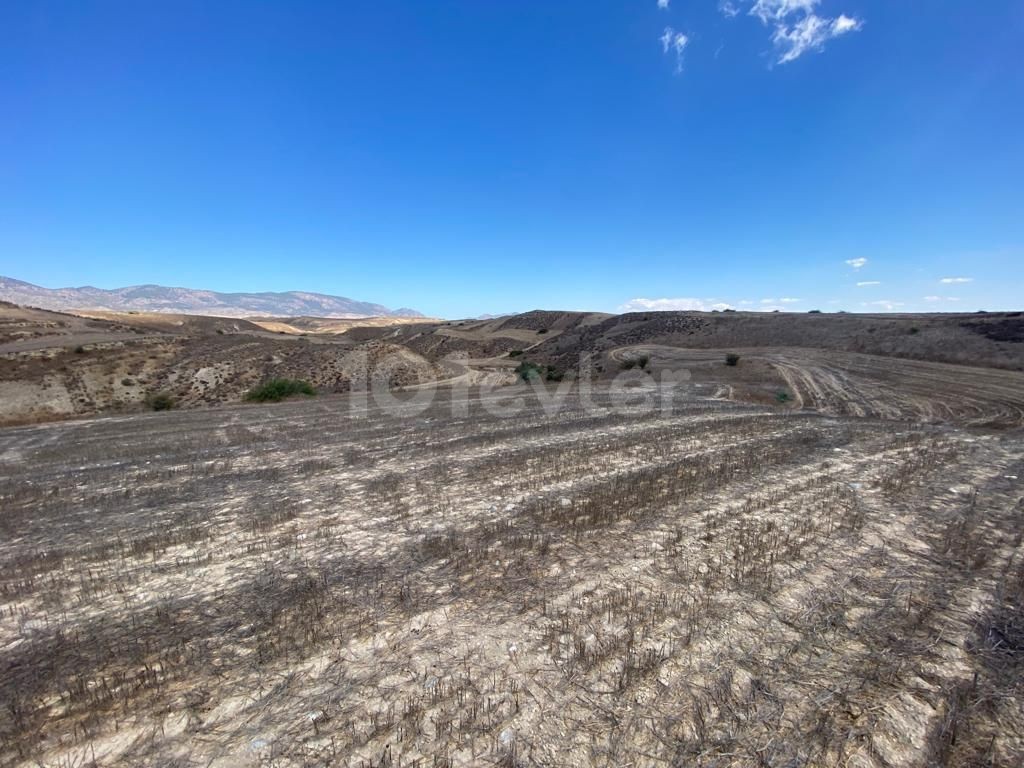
189, 301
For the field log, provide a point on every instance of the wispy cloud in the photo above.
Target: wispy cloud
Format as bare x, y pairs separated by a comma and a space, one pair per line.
955, 280
933, 299
678, 305
865, 283
777, 10
663, 4
671, 40
728, 9
798, 29
789, 301
857, 263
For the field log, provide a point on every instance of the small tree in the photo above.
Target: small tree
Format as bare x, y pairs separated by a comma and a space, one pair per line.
732, 359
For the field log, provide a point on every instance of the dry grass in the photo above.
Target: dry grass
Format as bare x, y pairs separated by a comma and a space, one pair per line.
718, 585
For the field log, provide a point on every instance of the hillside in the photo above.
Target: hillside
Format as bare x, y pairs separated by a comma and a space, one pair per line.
56, 365
990, 340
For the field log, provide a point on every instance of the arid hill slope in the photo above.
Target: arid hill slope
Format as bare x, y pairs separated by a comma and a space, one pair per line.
56, 365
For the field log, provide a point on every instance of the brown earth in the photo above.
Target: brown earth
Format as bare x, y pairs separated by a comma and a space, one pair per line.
812, 557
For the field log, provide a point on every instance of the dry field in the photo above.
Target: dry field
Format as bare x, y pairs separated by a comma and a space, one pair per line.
320, 582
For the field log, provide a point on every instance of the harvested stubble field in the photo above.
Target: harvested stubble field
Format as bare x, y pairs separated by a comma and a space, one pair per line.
710, 584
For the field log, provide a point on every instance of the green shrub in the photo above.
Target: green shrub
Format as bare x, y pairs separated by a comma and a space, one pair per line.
643, 361
554, 375
782, 397
732, 359
528, 371
542, 330
79, 350
275, 390
160, 401
914, 330
515, 353
628, 365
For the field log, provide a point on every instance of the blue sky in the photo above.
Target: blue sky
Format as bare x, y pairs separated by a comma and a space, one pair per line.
482, 156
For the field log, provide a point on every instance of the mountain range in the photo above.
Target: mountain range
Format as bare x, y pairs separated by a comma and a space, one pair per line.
189, 301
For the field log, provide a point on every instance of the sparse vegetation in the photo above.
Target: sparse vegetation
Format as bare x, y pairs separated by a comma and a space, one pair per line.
732, 359
275, 390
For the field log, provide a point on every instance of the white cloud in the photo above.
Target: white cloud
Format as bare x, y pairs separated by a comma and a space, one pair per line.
934, 299
857, 263
663, 4
771, 305
845, 24
676, 41
864, 283
728, 9
887, 305
678, 305
953, 280
798, 29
